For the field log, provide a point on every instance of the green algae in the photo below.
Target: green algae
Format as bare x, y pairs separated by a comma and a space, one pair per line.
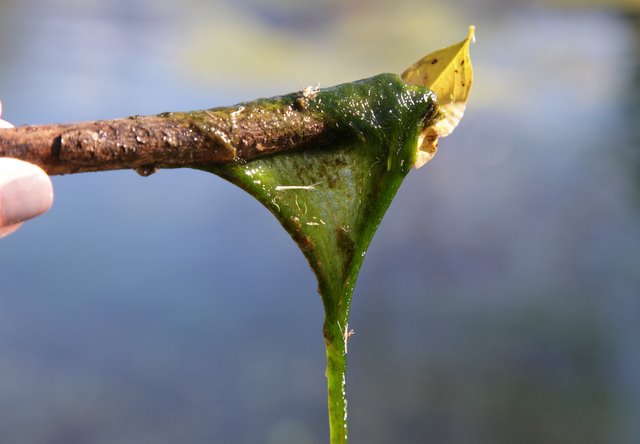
332, 199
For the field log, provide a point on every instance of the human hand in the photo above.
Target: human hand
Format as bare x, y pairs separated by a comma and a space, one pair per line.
25, 191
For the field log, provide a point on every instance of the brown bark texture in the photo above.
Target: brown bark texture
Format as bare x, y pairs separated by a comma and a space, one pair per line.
169, 140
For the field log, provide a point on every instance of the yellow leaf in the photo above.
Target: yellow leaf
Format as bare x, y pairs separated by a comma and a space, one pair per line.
449, 74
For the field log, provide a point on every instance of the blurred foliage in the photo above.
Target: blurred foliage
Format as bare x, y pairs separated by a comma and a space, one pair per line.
327, 41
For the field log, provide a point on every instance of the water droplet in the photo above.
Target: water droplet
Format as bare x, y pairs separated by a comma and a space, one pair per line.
146, 170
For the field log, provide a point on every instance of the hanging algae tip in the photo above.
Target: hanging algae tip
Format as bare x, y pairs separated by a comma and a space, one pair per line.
449, 74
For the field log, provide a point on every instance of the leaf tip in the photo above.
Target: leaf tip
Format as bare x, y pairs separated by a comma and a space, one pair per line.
449, 74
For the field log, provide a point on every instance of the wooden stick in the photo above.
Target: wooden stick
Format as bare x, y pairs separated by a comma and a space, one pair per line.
170, 140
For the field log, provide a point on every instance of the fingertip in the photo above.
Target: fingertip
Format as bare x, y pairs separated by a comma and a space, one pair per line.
4, 123
6, 231
25, 191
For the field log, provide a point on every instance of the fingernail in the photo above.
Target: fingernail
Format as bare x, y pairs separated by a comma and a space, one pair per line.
24, 198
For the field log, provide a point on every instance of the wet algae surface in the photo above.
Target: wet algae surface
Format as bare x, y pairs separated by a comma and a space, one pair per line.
331, 198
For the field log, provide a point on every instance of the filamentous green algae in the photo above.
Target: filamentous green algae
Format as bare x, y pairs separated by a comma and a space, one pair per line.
331, 199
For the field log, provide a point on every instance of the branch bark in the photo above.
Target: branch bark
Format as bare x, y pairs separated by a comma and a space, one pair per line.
171, 140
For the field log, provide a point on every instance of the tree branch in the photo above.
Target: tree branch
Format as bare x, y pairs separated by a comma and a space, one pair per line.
172, 140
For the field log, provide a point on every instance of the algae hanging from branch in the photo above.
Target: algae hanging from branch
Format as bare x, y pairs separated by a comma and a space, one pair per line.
331, 199
326, 162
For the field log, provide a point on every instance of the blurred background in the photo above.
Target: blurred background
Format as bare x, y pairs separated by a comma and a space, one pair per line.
499, 301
